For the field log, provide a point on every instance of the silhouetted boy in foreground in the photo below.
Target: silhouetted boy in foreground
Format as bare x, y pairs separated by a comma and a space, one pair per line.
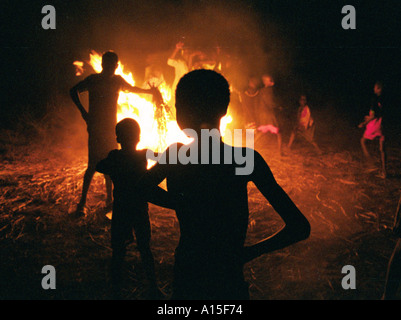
130, 209
101, 117
210, 255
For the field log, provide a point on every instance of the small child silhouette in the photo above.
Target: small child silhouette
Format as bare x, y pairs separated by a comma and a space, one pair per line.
305, 125
130, 209
214, 215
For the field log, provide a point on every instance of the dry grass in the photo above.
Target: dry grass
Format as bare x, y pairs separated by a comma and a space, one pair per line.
351, 213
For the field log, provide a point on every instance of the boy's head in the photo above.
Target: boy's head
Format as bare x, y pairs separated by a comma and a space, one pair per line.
302, 100
378, 88
267, 80
109, 62
202, 98
128, 132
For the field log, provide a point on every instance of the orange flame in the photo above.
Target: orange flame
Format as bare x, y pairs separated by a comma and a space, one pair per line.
159, 127
79, 67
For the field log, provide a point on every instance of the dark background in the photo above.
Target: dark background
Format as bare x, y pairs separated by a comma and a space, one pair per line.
301, 42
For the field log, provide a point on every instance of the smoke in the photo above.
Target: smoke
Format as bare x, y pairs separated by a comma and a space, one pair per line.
137, 29
141, 30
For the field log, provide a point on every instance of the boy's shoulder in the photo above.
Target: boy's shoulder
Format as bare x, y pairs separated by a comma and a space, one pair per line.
88, 80
249, 153
175, 147
98, 78
121, 153
114, 153
142, 153
236, 148
234, 156
92, 77
121, 158
118, 79
93, 80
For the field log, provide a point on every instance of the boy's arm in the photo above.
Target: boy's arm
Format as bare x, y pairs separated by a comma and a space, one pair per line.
105, 166
74, 93
156, 195
178, 47
297, 227
162, 198
368, 118
157, 97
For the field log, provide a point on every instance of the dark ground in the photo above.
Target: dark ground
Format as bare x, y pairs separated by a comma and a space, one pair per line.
350, 211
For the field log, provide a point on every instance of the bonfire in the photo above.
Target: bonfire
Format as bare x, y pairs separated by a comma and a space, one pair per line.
159, 127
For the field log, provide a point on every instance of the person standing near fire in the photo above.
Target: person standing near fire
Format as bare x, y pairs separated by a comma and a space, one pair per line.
374, 128
178, 60
130, 209
305, 125
101, 118
267, 117
250, 101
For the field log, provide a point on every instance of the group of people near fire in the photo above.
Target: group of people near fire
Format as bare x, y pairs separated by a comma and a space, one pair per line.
213, 218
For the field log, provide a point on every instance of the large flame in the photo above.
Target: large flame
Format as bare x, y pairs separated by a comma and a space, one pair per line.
159, 127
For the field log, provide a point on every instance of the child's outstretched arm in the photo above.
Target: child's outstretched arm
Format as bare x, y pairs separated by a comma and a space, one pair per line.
162, 198
297, 227
150, 184
157, 97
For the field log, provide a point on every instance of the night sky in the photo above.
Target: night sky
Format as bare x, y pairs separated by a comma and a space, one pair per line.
302, 42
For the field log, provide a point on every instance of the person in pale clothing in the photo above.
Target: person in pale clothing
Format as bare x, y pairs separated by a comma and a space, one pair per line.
178, 62
268, 109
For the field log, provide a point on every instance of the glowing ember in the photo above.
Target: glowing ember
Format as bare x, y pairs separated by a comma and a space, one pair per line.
159, 127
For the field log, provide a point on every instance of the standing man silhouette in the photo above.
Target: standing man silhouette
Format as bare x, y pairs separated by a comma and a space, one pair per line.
101, 118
